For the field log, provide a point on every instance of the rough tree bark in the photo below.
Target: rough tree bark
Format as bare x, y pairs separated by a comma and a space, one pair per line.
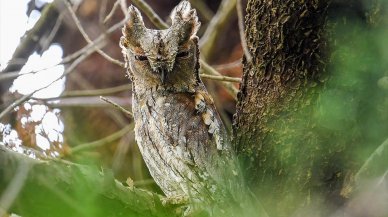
290, 158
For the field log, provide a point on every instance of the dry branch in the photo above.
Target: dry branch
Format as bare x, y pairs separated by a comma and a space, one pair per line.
30, 42
87, 38
214, 30
101, 142
375, 166
117, 106
96, 92
65, 73
240, 17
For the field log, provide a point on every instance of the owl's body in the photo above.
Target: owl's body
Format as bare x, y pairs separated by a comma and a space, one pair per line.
175, 141
177, 127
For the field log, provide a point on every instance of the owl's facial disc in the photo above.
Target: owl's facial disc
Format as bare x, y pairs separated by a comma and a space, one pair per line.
166, 56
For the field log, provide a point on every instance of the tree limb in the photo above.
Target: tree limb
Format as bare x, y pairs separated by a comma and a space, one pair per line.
213, 31
29, 43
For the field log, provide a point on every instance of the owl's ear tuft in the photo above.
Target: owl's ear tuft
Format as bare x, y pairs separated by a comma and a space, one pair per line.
185, 20
133, 28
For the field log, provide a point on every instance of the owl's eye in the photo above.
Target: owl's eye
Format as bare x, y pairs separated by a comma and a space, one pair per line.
182, 54
141, 57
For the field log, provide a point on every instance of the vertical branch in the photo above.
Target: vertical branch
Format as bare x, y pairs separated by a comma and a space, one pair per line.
240, 16
15, 186
213, 31
150, 13
29, 43
85, 35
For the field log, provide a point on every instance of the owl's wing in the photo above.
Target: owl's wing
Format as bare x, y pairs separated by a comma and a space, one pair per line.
199, 132
187, 134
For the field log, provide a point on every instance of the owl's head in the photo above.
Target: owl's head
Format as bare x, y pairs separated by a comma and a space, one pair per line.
162, 56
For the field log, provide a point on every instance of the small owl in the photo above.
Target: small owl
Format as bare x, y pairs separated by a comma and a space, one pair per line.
177, 127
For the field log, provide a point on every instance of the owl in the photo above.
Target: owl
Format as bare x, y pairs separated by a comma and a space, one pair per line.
177, 128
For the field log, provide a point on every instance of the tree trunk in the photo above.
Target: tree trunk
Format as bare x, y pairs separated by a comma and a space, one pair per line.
296, 148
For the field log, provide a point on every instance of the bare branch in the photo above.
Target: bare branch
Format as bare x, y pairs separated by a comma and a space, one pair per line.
101, 142
128, 113
29, 42
99, 42
85, 35
123, 5
15, 186
237, 63
150, 13
241, 30
221, 78
53, 32
214, 30
102, 12
203, 9
66, 72
210, 70
114, 7
88, 101
97, 92
374, 166
15, 104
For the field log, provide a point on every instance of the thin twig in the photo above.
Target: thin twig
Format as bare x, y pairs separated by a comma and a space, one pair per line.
15, 104
15, 186
150, 13
203, 9
114, 7
210, 70
371, 166
221, 78
101, 142
102, 12
89, 101
86, 37
53, 32
123, 5
30, 42
99, 42
226, 66
119, 107
214, 30
240, 17
96, 92
13, 75
66, 72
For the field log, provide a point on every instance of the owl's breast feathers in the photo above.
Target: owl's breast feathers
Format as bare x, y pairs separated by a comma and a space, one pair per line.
181, 137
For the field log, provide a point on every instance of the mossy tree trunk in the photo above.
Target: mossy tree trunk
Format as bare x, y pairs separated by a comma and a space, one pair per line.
296, 126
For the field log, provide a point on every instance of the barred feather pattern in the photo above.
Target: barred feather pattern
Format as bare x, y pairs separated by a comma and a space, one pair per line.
178, 130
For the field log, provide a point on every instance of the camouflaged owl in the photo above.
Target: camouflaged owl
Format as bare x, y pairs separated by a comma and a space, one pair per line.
177, 127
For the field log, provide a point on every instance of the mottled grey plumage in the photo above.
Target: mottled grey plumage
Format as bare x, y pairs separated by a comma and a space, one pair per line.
178, 129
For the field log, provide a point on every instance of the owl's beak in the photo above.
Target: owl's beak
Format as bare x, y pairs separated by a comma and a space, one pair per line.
163, 73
